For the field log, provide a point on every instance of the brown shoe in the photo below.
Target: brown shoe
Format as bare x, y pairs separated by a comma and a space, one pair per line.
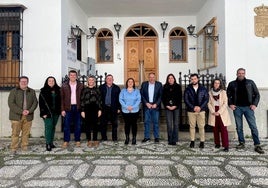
65, 144
89, 144
24, 148
78, 144
96, 144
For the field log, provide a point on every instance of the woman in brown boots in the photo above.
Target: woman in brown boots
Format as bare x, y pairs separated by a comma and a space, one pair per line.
91, 110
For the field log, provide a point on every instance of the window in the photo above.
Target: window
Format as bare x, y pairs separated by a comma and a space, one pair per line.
177, 45
104, 46
10, 45
207, 48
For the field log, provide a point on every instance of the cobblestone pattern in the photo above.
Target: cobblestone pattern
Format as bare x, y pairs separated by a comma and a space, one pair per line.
143, 165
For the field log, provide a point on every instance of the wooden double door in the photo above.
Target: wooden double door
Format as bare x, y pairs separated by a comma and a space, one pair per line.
141, 52
141, 59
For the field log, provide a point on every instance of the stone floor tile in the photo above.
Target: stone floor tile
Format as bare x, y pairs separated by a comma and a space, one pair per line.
102, 182
208, 171
234, 172
183, 172
159, 182
247, 163
223, 182
154, 162
46, 183
156, 171
260, 181
131, 172
257, 171
106, 171
109, 162
11, 171
7, 183
30, 173
57, 171
22, 162
81, 171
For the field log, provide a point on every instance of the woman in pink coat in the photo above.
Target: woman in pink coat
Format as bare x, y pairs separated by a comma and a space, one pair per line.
219, 116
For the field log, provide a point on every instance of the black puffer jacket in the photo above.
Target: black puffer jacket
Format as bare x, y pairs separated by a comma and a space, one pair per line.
192, 99
252, 92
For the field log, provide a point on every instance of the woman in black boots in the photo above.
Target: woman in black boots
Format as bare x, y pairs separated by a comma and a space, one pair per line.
130, 99
50, 109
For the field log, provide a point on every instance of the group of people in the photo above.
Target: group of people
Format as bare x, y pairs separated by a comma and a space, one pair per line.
74, 101
242, 96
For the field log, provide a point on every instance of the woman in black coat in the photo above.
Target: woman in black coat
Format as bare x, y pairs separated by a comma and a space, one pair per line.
171, 99
50, 109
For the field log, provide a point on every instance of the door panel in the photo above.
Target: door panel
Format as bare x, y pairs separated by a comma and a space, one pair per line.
132, 65
140, 51
149, 57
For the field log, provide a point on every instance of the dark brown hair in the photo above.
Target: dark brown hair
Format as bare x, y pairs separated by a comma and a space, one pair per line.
173, 78
133, 82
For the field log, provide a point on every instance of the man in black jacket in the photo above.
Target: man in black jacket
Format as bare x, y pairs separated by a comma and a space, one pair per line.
110, 106
243, 98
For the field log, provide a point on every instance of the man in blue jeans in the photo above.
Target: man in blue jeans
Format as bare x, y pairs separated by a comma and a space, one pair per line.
151, 95
71, 108
243, 98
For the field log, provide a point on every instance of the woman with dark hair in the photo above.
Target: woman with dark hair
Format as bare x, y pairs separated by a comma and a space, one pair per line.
171, 99
219, 116
130, 99
50, 109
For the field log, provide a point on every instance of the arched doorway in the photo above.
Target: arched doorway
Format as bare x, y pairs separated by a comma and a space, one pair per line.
141, 55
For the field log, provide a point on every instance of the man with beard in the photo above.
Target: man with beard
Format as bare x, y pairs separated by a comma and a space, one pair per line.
196, 99
243, 98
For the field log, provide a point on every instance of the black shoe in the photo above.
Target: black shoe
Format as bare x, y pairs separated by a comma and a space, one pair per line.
226, 149
241, 145
259, 150
202, 145
127, 140
104, 139
192, 144
156, 140
173, 143
145, 140
52, 145
133, 141
217, 146
48, 147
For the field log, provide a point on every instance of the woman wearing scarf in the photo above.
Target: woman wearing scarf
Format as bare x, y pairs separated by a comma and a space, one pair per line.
218, 114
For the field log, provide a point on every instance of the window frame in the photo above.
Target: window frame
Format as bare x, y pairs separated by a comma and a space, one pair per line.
207, 58
106, 35
177, 31
11, 17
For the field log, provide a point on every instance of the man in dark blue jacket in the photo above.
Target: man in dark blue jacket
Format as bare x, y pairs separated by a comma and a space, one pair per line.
110, 106
196, 99
151, 94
